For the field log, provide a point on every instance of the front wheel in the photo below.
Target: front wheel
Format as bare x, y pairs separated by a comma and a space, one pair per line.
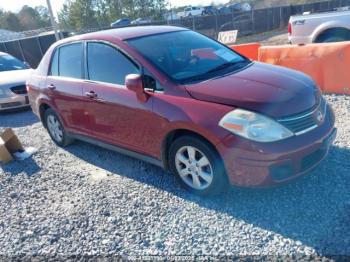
56, 129
197, 165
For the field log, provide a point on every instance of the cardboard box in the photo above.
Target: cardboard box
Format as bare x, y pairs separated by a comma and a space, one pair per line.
9, 144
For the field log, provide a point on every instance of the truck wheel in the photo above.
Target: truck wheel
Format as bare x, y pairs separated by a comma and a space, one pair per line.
197, 166
334, 35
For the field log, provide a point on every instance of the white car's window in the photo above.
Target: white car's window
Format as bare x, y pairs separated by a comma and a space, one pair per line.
9, 63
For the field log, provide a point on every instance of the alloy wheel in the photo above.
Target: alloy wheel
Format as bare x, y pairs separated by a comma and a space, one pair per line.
194, 167
55, 129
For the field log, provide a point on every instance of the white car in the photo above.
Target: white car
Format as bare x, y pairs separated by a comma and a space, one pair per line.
319, 27
141, 21
193, 11
13, 76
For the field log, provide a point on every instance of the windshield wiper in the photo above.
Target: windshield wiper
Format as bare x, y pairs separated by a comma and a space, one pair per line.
207, 75
226, 65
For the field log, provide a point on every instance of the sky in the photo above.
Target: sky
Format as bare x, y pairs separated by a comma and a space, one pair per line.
16, 5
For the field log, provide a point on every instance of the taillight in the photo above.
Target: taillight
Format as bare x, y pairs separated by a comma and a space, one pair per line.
289, 28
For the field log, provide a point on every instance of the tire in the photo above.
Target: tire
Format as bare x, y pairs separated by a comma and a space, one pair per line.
334, 35
210, 172
56, 129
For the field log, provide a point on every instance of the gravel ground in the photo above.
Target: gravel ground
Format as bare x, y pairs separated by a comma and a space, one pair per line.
84, 200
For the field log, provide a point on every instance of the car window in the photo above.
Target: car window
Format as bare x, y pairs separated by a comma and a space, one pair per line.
184, 55
107, 64
70, 60
9, 63
54, 64
150, 81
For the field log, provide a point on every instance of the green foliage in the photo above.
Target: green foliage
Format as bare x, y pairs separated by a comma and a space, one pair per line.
83, 14
27, 18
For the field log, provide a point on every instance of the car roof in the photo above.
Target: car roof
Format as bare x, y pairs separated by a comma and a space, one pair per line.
123, 33
2, 53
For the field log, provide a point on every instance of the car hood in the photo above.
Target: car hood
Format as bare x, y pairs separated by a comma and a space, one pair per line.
272, 90
14, 77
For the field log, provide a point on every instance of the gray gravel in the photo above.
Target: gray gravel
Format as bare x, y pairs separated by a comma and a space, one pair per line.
85, 200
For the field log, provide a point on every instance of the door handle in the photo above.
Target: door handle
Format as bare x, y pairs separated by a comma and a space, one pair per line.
51, 87
91, 94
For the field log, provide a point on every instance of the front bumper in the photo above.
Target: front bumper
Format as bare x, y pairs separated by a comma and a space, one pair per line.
253, 164
13, 102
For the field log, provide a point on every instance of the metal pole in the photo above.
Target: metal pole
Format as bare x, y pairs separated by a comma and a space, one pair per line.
52, 19
171, 12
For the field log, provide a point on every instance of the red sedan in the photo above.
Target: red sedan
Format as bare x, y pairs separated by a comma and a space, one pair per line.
180, 100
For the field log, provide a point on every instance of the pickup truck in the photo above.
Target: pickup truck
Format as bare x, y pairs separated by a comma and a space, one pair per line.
320, 27
193, 11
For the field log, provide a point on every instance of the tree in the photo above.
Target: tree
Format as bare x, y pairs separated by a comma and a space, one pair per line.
44, 17
10, 21
79, 14
87, 14
28, 18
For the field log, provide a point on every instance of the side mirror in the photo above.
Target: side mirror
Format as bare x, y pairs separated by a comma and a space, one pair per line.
134, 82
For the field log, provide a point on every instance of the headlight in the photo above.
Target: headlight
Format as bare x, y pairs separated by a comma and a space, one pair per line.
254, 126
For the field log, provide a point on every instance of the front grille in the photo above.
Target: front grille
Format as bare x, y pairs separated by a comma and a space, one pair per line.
8, 105
19, 90
305, 121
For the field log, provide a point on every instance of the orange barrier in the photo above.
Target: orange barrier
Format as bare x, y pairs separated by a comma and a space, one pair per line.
327, 64
250, 50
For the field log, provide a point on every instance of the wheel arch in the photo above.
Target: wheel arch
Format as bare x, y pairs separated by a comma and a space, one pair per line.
42, 109
45, 105
173, 135
329, 29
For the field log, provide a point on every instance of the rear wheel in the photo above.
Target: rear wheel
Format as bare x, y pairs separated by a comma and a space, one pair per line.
56, 129
197, 165
334, 35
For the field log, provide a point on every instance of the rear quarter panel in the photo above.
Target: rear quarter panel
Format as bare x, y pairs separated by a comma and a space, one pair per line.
37, 82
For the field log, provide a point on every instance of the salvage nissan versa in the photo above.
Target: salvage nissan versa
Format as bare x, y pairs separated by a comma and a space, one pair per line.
180, 100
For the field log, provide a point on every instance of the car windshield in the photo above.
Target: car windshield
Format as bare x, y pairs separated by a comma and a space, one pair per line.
9, 63
187, 56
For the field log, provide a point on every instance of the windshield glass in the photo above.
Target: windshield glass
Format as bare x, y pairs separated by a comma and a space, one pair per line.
187, 56
8, 63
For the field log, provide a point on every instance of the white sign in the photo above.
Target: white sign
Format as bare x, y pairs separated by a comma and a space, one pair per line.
228, 37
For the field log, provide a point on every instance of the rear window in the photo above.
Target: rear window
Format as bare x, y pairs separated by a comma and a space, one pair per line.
54, 64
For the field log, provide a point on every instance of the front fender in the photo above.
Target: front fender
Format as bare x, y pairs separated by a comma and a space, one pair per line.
189, 114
